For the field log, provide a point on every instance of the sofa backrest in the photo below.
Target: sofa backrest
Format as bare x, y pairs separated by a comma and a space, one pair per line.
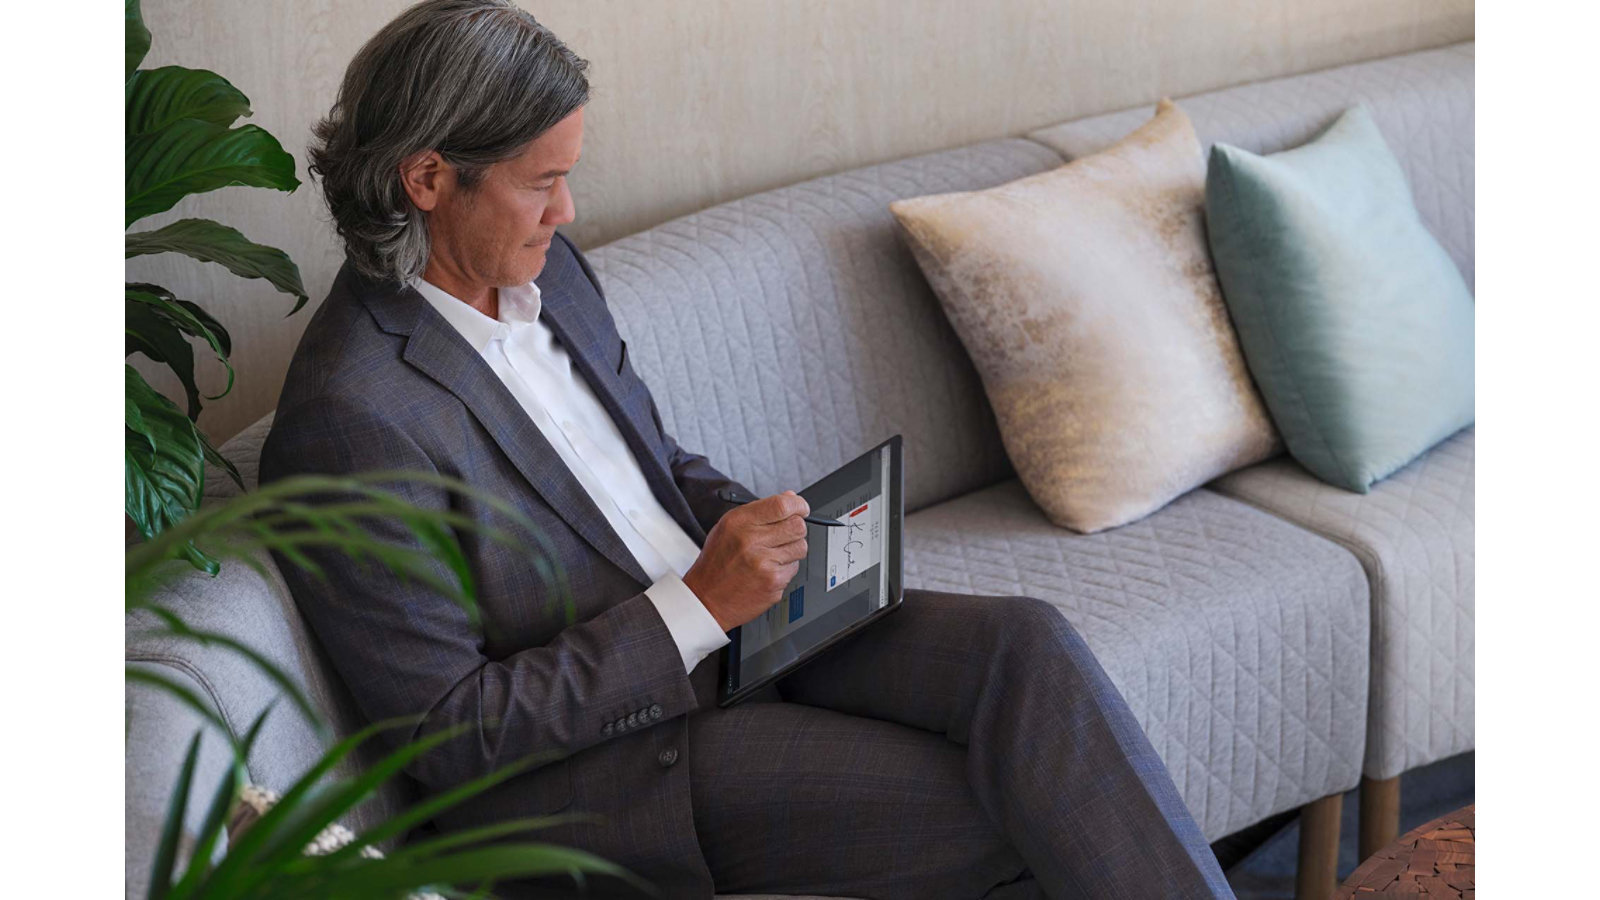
251, 604
785, 333
1421, 101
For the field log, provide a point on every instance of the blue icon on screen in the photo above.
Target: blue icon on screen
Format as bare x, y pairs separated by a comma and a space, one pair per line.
833, 580
797, 603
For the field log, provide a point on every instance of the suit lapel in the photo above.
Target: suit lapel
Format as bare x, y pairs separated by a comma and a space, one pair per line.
578, 334
440, 352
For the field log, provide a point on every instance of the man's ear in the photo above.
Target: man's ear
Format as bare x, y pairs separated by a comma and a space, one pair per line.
425, 176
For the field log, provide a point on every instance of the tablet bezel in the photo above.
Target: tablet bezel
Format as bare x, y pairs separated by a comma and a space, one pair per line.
727, 695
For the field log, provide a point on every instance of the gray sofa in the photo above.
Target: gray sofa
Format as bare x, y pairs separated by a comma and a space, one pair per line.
1278, 638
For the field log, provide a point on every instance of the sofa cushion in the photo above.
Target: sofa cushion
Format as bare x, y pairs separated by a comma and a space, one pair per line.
1356, 324
1414, 535
1423, 103
1086, 298
784, 333
1239, 640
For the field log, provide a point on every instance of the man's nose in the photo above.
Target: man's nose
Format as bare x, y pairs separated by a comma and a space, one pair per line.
561, 209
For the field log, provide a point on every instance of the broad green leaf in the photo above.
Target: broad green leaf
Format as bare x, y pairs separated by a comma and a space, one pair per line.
215, 457
155, 324
165, 484
137, 36
210, 241
207, 328
177, 806
196, 320
192, 157
136, 424
155, 98
146, 331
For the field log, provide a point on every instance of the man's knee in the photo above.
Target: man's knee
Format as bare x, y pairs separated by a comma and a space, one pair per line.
1030, 615
1031, 627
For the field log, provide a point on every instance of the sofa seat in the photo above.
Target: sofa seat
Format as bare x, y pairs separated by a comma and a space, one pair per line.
1414, 536
1239, 640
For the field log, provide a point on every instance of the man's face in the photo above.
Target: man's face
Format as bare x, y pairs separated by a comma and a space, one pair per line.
496, 233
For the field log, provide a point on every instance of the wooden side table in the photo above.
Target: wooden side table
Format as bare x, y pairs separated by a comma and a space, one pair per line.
1435, 860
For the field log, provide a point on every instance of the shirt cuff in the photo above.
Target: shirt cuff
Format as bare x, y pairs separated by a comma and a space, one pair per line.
691, 625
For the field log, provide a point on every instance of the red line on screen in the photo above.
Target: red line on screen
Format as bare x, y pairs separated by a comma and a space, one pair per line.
861, 510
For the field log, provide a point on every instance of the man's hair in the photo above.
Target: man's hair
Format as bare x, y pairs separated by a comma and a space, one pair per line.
475, 80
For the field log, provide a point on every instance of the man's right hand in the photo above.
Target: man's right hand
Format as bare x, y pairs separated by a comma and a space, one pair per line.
750, 556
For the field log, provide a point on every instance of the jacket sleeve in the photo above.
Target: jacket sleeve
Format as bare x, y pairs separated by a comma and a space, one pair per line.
405, 649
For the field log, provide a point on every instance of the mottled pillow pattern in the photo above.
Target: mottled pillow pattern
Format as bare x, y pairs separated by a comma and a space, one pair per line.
1087, 300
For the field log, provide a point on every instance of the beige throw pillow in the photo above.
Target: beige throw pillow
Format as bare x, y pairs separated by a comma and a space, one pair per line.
1086, 298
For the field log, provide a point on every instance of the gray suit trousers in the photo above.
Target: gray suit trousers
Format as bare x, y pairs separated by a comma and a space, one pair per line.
961, 747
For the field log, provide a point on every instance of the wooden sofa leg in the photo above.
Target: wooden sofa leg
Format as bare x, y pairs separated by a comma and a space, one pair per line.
1380, 814
1317, 874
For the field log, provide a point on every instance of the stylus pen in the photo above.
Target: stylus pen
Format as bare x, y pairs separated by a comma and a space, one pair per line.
741, 500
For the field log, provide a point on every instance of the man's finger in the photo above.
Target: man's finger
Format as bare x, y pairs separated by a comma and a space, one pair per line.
781, 533
791, 552
779, 507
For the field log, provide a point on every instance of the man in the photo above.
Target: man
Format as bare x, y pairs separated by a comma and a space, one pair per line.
961, 747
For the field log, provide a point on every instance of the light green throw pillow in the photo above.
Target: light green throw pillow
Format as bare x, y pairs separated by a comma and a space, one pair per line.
1356, 325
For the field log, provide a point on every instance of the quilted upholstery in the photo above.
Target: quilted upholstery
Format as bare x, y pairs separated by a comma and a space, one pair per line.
1238, 640
1414, 535
1422, 102
784, 333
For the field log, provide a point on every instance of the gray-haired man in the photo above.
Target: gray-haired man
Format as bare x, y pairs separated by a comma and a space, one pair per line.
963, 747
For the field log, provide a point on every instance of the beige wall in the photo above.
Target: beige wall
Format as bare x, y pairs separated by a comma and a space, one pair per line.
701, 101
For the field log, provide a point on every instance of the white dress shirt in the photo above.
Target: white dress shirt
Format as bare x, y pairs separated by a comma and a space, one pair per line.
524, 353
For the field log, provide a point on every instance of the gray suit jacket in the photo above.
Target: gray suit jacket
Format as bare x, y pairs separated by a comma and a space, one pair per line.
381, 381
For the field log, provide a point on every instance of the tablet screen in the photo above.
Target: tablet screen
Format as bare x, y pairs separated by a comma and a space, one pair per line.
848, 574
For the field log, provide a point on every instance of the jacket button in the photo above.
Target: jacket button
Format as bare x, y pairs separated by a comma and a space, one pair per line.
607, 729
667, 758
655, 710
633, 719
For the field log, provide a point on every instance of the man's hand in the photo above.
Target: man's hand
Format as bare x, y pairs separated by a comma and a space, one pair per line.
750, 556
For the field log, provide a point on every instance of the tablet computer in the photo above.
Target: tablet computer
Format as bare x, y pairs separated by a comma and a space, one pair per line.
849, 578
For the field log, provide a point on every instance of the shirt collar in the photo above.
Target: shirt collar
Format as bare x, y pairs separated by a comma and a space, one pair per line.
519, 306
